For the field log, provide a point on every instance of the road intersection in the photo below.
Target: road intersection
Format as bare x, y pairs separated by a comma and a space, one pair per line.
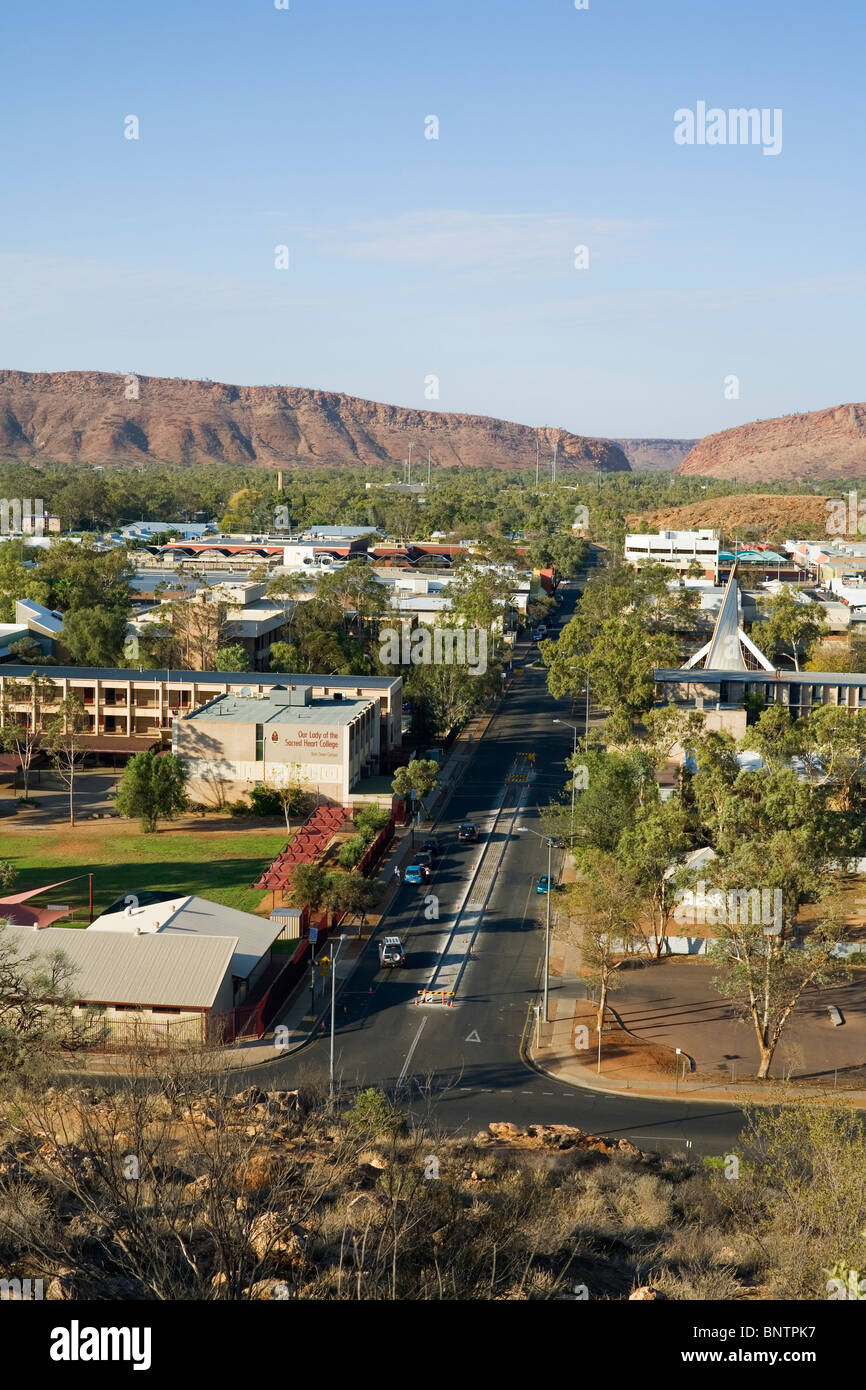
476, 933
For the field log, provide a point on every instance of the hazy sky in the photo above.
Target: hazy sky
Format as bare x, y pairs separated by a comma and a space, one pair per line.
451, 257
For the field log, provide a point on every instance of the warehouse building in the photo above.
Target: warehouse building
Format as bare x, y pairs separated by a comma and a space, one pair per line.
141, 987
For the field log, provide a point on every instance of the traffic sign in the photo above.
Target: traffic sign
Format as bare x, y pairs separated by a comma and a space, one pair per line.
314, 935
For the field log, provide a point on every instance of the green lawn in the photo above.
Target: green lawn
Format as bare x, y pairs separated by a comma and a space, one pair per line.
213, 863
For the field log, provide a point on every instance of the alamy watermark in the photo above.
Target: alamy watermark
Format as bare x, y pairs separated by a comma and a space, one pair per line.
737, 126
21, 1290
434, 646
21, 515
738, 907
846, 516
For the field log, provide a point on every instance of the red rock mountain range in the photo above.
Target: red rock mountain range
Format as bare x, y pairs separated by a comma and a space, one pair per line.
798, 448
101, 418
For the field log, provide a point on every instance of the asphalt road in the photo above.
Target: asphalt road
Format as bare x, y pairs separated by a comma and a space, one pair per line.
428, 1054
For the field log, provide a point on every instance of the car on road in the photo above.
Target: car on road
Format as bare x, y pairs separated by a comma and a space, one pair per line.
539, 634
423, 856
468, 831
391, 951
431, 846
543, 885
414, 873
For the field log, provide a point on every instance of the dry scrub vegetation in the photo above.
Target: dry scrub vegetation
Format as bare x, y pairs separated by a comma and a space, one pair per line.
167, 1186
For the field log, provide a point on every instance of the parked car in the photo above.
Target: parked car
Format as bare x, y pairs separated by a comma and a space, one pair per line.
431, 844
543, 885
468, 831
539, 634
391, 951
423, 856
414, 874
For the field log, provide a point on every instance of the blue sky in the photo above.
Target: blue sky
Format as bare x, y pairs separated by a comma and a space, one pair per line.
454, 258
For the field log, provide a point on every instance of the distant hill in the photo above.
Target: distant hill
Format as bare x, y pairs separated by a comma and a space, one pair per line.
655, 453
822, 444
766, 514
86, 417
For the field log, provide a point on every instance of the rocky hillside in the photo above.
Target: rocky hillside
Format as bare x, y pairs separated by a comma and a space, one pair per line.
761, 514
823, 444
655, 453
100, 418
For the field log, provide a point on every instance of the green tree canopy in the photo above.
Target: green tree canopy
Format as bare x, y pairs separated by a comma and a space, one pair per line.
153, 788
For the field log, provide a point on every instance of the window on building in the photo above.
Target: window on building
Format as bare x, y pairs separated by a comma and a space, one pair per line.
260, 743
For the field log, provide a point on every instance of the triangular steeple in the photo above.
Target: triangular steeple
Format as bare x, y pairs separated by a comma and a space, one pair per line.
728, 647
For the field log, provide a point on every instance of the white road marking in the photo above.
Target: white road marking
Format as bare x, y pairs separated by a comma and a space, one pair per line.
415, 1041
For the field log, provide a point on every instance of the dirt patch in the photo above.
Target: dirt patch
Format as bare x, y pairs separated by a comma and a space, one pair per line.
625, 1057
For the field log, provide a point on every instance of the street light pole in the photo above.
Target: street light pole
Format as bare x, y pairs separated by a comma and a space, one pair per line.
573, 774
547, 931
521, 830
333, 1002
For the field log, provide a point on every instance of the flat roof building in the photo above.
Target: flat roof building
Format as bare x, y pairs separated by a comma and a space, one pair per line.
278, 739
131, 710
677, 549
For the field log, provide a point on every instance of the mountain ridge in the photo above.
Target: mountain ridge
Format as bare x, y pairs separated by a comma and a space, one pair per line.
810, 446
106, 418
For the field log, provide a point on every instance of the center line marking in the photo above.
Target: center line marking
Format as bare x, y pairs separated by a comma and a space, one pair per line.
415, 1041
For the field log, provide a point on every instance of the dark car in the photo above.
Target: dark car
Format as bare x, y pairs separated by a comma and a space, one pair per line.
468, 831
431, 846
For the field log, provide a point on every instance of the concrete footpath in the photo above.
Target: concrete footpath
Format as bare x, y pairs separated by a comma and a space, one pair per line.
566, 1049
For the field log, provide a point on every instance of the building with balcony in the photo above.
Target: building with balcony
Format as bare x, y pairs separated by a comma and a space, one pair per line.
678, 549
132, 710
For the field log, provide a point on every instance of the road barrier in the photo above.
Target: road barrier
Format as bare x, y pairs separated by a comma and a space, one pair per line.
435, 996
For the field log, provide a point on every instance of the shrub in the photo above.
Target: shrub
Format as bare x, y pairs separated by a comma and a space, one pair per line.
371, 1112
266, 801
371, 819
351, 852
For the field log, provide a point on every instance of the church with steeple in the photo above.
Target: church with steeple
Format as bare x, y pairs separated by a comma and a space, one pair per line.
730, 667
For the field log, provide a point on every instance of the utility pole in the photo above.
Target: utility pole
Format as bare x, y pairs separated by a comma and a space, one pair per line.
537, 448
553, 465
409, 478
428, 467
547, 930
522, 830
333, 1000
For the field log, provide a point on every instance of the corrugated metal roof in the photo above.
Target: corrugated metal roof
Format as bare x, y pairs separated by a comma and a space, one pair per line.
154, 969
190, 916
